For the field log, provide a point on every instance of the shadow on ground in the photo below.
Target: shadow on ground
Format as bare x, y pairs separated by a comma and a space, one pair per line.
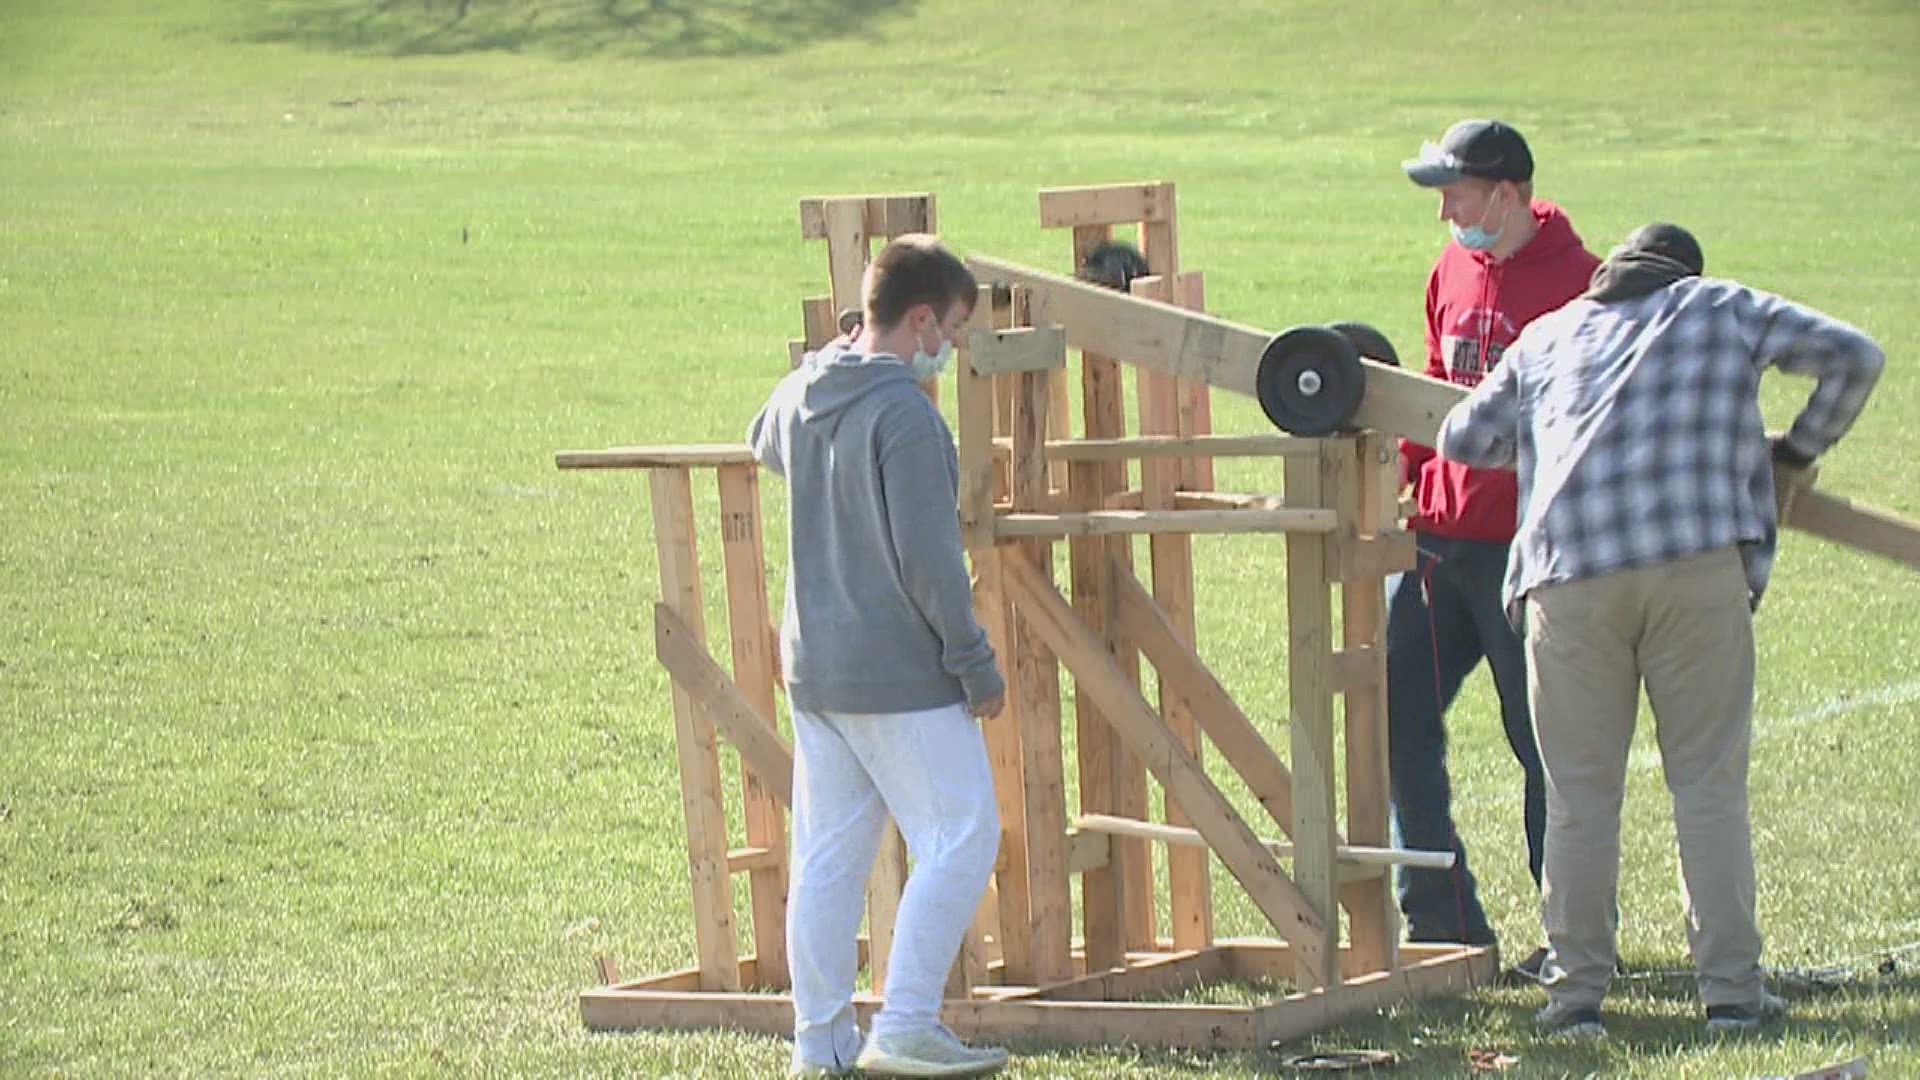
569, 29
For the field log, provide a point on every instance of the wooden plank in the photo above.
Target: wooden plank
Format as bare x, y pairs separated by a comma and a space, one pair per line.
1190, 898
881, 215
1128, 522
1371, 557
1105, 204
1141, 447
1167, 973
1002, 733
656, 457
1310, 728
1226, 500
1196, 399
1201, 1028
974, 415
1240, 850
743, 550
1117, 899
749, 860
848, 250
760, 744
694, 739
1036, 679
819, 321
1856, 525
1020, 348
1298, 1015
1195, 346
1178, 837
1241, 744
1373, 924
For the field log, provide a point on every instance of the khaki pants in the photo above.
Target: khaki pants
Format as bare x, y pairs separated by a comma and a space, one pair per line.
1684, 627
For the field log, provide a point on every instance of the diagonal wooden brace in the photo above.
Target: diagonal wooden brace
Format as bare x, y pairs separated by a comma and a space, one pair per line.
1042, 608
759, 742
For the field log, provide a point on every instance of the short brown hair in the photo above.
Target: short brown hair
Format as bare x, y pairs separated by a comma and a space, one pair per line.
915, 269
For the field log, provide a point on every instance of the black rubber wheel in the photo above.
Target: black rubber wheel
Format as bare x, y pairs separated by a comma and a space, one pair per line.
1310, 381
1372, 343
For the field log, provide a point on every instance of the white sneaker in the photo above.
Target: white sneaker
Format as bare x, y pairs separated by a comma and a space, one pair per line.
933, 1051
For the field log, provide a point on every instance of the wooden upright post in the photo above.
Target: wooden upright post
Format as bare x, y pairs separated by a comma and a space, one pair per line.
1367, 478
695, 741
1036, 683
1310, 696
1117, 897
1190, 901
975, 405
745, 559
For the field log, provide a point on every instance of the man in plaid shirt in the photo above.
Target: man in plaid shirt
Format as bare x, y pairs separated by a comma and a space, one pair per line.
1648, 514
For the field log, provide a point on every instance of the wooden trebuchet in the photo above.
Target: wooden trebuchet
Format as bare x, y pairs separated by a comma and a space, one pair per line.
1398, 402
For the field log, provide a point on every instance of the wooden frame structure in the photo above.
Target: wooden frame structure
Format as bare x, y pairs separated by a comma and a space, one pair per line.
1034, 968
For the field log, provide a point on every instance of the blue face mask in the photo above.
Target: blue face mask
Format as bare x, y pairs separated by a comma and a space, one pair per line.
1476, 237
928, 366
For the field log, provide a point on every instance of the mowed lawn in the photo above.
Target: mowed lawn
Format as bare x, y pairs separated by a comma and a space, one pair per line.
330, 736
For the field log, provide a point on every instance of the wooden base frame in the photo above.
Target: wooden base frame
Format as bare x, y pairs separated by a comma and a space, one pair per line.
1098, 1009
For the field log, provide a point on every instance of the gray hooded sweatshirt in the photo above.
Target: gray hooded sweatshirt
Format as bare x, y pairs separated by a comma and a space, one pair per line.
879, 613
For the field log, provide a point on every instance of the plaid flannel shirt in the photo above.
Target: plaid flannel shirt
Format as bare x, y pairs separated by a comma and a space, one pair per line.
1635, 427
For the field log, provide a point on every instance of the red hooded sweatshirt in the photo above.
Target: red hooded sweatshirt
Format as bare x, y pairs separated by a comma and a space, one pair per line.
1475, 309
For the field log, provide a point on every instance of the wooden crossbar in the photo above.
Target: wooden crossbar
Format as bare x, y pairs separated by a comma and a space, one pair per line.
1357, 855
1125, 522
706, 455
1260, 444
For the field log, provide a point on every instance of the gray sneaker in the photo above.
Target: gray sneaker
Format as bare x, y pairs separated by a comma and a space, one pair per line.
1569, 1021
1731, 1019
933, 1051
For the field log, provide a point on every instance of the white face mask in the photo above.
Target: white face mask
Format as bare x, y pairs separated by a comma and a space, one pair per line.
928, 366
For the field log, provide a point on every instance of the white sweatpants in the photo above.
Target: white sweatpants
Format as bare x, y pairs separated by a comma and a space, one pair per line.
929, 770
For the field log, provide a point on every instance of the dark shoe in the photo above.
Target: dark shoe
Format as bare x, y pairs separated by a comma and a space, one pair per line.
1528, 969
1732, 1019
1569, 1021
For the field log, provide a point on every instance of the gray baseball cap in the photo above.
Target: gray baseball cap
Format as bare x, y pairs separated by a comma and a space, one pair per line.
1487, 149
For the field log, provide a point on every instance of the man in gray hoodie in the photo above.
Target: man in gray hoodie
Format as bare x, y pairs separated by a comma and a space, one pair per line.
886, 670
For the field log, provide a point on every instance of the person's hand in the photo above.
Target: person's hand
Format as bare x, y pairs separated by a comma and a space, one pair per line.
1793, 473
989, 707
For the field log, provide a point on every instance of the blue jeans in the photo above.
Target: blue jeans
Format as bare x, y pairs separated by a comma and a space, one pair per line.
1442, 619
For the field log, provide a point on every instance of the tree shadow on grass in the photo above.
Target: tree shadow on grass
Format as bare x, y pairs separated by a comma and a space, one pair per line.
569, 29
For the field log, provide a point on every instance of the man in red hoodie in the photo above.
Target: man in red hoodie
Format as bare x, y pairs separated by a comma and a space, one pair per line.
1511, 259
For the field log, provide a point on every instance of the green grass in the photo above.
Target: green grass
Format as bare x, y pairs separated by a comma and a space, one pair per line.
330, 739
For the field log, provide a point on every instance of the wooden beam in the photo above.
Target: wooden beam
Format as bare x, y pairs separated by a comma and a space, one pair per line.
1196, 399
1126, 522
1262, 444
1855, 525
1226, 500
1035, 677
849, 249
1370, 477
748, 860
743, 551
1190, 898
881, 215
1105, 204
694, 740
1021, 348
1214, 351
1178, 836
1298, 1015
974, 408
1244, 746
656, 457
1012, 880
1269, 888
1167, 973
761, 746
819, 322
1310, 727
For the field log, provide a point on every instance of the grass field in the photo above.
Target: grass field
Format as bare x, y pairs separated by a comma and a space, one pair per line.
330, 738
